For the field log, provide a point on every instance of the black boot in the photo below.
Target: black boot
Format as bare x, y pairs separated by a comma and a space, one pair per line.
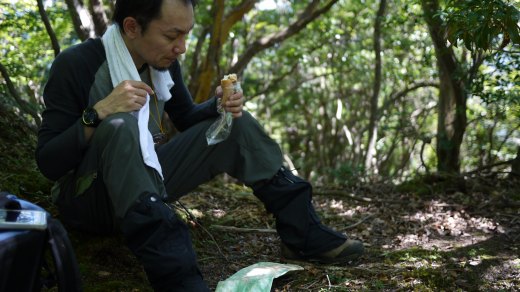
288, 198
162, 243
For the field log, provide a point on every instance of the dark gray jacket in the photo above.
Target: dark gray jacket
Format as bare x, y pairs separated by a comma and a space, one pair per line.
79, 77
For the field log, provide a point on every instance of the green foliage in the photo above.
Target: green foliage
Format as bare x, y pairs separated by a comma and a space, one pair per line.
499, 81
478, 23
26, 48
312, 91
347, 175
319, 108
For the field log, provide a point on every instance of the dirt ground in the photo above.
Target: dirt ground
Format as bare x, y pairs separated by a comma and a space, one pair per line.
421, 236
436, 241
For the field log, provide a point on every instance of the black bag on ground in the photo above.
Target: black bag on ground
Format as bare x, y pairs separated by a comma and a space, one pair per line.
33, 259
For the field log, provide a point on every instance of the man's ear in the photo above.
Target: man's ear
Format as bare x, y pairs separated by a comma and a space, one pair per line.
131, 28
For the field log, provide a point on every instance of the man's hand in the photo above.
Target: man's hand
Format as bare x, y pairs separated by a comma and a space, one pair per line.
234, 104
128, 96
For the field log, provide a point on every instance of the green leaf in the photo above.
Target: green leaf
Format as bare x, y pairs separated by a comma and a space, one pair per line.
513, 32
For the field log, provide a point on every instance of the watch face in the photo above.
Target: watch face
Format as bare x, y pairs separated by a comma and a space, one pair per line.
159, 138
90, 117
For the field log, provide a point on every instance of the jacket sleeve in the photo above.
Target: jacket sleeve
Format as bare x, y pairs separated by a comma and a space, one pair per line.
181, 109
61, 137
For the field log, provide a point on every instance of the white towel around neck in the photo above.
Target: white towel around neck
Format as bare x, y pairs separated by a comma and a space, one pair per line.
122, 67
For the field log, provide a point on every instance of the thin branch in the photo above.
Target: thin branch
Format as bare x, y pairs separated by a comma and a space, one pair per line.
395, 97
413, 87
299, 84
275, 81
422, 158
48, 27
486, 167
281, 77
181, 207
308, 15
341, 193
23, 105
349, 195
358, 223
244, 230
507, 137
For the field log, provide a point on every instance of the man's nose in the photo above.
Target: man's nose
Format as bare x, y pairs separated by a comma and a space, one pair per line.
180, 46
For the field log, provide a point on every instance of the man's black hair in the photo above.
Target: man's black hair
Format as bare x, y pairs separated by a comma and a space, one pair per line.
143, 11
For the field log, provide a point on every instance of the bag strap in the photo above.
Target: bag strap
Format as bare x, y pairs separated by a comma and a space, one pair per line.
65, 272
65, 264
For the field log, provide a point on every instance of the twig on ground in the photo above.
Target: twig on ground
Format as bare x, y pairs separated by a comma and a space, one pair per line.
309, 286
238, 229
321, 192
359, 222
364, 271
350, 195
194, 219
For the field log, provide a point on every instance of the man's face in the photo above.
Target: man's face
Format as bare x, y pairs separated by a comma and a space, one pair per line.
165, 38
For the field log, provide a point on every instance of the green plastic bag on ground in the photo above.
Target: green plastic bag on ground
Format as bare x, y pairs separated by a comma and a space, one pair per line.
258, 277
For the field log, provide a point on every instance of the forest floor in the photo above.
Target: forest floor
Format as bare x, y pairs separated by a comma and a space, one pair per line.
420, 236
428, 234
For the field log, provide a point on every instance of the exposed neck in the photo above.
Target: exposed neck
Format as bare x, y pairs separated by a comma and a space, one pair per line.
138, 61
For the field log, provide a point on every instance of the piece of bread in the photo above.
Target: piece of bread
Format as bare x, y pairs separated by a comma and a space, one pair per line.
228, 88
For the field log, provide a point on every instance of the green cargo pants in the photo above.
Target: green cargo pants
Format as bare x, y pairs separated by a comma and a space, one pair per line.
112, 175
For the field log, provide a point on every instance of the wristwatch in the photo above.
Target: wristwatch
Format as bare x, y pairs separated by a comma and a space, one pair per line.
90, 117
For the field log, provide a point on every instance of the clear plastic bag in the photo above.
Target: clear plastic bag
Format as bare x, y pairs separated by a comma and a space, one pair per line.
220, 129
258, 277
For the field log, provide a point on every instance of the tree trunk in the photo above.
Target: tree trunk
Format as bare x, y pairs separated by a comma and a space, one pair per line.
54, 40
81, 19
373, 125
99, 17
452, 94
200, 85
515, 166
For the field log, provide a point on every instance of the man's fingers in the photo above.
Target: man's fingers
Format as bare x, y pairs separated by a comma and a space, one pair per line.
139, 100
136, 92
141, 93
235, 106
235, 100
137, 85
